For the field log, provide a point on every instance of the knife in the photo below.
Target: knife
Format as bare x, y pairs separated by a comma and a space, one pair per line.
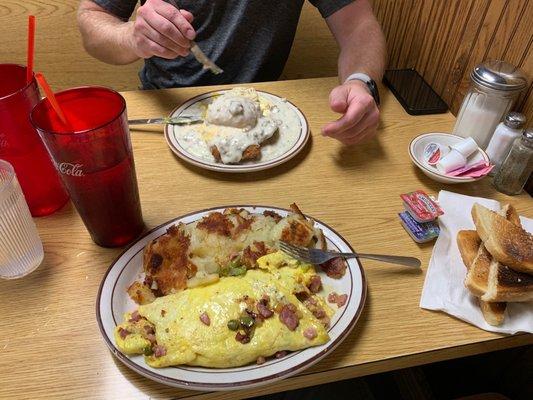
199, 54
183, 120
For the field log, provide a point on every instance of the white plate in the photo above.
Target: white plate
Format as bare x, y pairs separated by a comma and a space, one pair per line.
248, 166
416, 151
113, 301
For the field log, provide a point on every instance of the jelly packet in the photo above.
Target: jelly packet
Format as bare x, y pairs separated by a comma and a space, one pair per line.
420, 232
433, 152
421, 207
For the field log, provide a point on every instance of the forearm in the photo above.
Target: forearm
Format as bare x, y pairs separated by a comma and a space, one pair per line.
364, 51
105, 36
361, 41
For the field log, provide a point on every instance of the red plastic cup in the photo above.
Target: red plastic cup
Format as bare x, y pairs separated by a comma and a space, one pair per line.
21, 146
95, 160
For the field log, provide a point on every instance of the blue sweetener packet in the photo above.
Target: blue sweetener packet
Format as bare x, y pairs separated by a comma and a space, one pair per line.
421, 232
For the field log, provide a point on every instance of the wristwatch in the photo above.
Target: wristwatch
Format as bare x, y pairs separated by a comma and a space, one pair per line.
370, 84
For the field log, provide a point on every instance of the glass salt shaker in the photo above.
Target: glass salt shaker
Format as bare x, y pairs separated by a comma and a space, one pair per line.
495, 85
517, 166
505, 134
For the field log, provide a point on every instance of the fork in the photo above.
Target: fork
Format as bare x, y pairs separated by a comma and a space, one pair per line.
317, 256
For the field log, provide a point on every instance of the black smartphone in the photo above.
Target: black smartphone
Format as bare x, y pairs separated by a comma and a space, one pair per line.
413, 92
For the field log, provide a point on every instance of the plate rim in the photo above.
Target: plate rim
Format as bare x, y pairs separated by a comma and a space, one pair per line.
244, 167
185, 384
452, 179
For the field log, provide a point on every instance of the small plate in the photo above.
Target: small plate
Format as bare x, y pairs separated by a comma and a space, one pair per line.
190, 107
416, 151
113, 301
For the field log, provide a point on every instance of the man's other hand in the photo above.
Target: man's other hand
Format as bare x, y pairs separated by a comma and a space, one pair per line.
360, 117
162, 30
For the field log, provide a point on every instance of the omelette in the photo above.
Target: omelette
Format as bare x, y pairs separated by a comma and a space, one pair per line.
233, 321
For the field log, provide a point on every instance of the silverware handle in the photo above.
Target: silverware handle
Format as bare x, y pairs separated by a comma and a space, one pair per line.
401, 260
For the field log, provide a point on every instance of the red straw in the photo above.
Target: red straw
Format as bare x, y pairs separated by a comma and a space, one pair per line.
31, 48
51, 97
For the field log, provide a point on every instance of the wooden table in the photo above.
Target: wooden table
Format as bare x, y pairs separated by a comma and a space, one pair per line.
50, 345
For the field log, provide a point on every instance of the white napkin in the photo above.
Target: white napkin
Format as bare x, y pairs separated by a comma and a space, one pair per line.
444, 288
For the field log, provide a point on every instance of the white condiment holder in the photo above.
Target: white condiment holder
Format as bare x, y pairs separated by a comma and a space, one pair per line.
457, 157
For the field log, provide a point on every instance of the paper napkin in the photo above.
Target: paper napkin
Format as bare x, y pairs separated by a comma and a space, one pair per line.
444, 289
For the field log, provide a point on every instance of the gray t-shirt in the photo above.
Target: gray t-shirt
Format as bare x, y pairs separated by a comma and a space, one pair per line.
249, 39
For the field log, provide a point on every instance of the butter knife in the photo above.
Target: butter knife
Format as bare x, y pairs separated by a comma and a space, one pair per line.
199, 54
184, 120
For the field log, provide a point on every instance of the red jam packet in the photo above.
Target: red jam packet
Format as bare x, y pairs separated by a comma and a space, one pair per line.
421, 207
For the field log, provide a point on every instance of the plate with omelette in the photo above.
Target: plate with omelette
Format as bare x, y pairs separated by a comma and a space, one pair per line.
242, 130
207, 301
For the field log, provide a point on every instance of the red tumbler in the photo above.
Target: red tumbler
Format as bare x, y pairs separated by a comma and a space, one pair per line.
21, 146
94, 157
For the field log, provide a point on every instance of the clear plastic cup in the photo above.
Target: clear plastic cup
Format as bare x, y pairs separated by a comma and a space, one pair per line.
21, 250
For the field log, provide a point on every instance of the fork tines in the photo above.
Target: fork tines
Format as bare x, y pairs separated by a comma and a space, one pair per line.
297, 252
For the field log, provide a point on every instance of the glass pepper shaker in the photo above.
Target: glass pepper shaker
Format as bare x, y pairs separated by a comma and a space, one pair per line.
517, 166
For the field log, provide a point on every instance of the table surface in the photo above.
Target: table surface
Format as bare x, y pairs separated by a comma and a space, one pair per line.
50, 344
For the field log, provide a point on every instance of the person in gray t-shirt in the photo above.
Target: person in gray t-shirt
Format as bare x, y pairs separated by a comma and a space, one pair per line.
249, 39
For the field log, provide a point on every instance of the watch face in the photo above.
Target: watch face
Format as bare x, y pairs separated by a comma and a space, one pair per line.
373, 90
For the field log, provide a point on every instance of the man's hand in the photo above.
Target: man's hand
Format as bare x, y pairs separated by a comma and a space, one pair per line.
361, 115
162, 30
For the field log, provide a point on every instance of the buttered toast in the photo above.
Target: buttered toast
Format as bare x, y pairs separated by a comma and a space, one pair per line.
505, 240
491, 282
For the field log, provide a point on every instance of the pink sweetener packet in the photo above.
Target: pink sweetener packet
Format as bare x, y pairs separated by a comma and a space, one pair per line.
475, 170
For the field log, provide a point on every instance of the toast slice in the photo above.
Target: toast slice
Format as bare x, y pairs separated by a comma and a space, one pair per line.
469, 244
494, 313
506, 241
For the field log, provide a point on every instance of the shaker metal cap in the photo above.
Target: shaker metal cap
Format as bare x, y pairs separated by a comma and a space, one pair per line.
528, 135
499, 75
515, 120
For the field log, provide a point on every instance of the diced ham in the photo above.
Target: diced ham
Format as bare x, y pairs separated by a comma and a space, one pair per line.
332, 297
148, 329
123, 332
310, 333
204, 317
334, 268
280, 354
315, 284
289, 316
339, 299
262, 308
151, 337
243, 338
159, 351
135, 317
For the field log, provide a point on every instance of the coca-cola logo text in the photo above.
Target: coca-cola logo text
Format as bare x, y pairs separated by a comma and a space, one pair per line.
70, 169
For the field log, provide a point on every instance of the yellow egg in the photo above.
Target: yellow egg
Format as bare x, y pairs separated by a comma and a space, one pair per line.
189, 340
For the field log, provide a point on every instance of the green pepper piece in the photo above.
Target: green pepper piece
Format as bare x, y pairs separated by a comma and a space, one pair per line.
147, 351
233, 324
237, 271
247, 321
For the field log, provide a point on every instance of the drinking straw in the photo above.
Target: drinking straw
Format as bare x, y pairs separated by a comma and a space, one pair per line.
31, 48
51, 97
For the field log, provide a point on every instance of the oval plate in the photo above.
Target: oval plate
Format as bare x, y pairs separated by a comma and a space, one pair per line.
112, 302
248, 166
